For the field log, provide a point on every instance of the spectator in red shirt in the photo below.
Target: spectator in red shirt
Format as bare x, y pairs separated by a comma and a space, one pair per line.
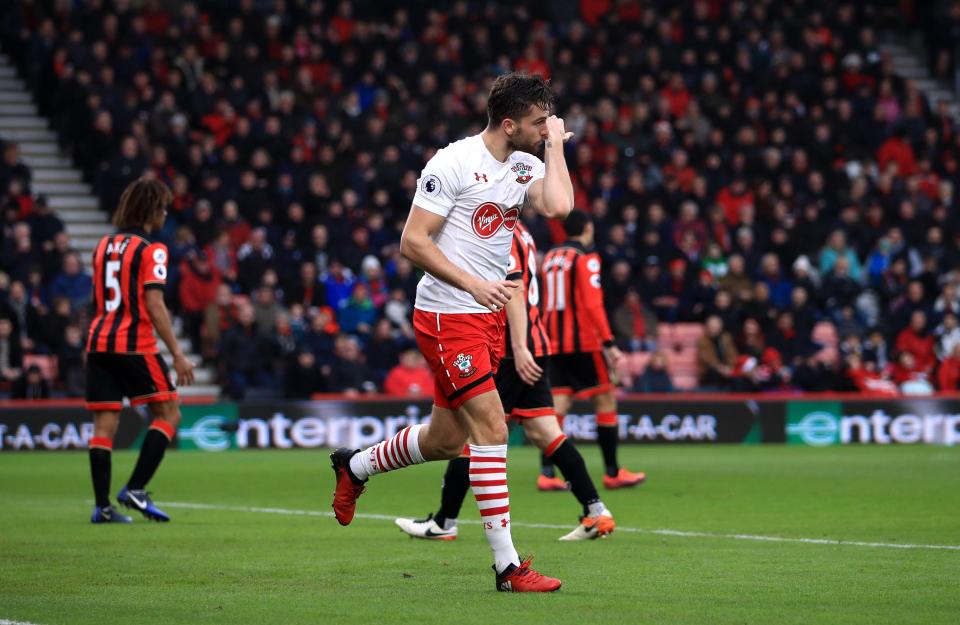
915, 340
680, 172
410, 377
531, 63
593, 10
733, 198
677, 95
199, 281
690, 222
948, 376
867, 380
897, 150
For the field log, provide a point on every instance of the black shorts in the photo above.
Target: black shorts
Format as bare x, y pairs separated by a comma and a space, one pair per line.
581, 373
521, 400
143, 378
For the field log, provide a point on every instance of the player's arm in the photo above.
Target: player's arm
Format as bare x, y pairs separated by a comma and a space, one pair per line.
517, 321
153, 276
161, 323
417, 245
591, 294
552, 195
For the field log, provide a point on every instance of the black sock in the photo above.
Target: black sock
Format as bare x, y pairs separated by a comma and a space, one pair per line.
154, 445
456, 483
607, 437
100, 473
546, 465
568, 459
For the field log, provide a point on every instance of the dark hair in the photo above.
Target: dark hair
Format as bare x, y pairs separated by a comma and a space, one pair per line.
576, 222
512, 95
142, 201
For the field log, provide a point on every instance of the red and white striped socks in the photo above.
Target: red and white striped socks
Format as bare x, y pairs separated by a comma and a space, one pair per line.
395, 453
488, 479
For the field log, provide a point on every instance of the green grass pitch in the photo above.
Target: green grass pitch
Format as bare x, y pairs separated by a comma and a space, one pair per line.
244, 557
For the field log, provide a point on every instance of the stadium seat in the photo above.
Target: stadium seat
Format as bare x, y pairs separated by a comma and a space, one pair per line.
46, 364
684, 382
637, 362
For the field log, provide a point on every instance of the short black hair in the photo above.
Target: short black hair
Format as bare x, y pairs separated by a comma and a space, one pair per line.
512, 95
576, 222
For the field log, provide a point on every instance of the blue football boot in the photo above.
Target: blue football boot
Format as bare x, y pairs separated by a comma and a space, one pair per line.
140, 500
109, 514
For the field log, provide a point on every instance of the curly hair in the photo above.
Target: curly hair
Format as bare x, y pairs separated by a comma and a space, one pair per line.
141, 203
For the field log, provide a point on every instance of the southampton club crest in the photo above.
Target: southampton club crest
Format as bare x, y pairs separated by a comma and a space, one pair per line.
464, 363
522, 170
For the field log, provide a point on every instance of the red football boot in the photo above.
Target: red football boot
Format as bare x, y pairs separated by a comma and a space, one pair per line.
545, 483
348, 488
524, 579
624, 479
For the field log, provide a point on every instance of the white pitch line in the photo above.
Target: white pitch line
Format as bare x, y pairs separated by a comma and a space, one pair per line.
553, 526
4, 621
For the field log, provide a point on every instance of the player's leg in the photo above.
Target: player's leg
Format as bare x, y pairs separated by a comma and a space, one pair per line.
149, 383
605, 405
166, 419
545, 433
105, 423
443, 524
548, 480
447, 342
483, 417
443, 439
605, 408
104, 399
562, 384
456, 481
480, 409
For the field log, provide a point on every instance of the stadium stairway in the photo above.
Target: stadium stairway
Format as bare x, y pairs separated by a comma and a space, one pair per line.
908, 55
73, 200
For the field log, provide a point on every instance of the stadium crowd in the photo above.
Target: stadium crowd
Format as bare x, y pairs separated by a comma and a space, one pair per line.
754, 167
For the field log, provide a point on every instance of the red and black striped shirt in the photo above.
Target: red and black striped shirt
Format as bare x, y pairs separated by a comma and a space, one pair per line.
573, 300
124, 265
523, 266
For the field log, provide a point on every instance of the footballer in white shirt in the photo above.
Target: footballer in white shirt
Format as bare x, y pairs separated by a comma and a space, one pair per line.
459, 231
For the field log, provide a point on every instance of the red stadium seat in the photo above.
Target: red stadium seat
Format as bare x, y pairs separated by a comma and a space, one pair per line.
46, 364
684, 382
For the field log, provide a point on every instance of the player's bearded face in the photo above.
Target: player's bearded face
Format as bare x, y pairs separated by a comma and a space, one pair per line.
529, 131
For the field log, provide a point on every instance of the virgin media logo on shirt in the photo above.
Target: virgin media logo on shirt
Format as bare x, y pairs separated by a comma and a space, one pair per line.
488, 218
510, 218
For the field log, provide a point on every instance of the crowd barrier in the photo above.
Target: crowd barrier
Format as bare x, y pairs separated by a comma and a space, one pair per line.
332, 421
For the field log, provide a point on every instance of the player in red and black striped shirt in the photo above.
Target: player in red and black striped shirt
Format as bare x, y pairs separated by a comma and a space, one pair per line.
524, 390
130, 272
581, 340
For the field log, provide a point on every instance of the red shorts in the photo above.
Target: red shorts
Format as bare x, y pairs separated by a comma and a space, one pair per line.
463, 351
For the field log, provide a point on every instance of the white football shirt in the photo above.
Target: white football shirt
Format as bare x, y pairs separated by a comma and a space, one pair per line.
481, 199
